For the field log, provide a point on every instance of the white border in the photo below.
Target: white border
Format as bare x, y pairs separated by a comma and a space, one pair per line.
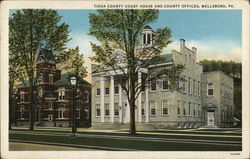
5, 6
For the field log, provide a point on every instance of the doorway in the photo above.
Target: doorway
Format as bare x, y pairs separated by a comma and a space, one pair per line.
210, 118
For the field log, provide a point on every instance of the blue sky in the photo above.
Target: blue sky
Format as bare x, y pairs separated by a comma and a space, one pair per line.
215, 33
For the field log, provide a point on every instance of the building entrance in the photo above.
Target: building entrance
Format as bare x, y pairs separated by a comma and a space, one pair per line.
210, 118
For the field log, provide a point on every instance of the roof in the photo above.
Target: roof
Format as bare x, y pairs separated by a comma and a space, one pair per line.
47, 54
147, 27
64, 80
164, 58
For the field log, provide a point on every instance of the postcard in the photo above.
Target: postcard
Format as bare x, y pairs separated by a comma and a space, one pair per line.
125, 79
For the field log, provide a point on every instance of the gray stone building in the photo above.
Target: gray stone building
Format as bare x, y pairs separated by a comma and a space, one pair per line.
191, 106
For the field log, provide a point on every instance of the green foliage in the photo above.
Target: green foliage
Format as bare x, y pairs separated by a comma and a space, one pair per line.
229, 67
27, 28
74, 63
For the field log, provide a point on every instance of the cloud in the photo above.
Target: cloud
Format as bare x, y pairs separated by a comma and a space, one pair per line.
82, 40
212, 49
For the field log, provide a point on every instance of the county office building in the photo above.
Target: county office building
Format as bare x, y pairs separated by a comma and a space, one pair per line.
204, 99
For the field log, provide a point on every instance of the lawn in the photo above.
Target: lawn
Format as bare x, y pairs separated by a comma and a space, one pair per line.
139, 144
127, 144
165, 135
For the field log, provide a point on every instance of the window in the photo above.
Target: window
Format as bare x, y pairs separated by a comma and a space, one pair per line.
51, 79
184, 109
40, 92
152, 105
61, 94
22, 112
98, 91
142, 85
22, 97
189, 108
194, 87
106, 109
165, 105
50, 117
179, 108
199, 110
86, 113
189, 85
184, 84
116, 89
98, 110
116, 107
153, 85
142, 108
107, 91
198, 89
40, 78
61, 113
50, 105
78, 113
86, 97
194, 110
210, 89
164, 84
148, 38
144, 38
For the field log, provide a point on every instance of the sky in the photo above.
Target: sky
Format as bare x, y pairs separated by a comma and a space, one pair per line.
217, 34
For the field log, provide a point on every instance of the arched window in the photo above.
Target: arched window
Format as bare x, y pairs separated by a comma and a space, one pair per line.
210, 89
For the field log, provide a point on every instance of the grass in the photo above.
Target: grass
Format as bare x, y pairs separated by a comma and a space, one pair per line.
128, 144
194, 132
165, 136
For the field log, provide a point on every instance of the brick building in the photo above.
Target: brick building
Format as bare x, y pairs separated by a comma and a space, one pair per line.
53, 96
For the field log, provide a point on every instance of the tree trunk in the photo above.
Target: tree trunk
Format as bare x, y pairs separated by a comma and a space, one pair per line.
132, 105
31, 106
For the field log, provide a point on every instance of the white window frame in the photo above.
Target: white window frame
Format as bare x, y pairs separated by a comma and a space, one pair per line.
152, 87
189, 108
166, 107
116, 109
194, 87
105, 106
61, 93
97, 107
22, 109
61, 113
143, 108
22, 97
209, 89
163, 85
116, 86
50, 105
154, 108
179, 107
50, 117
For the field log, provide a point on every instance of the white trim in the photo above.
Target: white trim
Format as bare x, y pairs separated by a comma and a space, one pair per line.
162, 64
50, 117
154, 107
168, 104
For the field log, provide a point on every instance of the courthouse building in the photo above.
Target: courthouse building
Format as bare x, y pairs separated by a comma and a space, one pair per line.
202, 100
53, 96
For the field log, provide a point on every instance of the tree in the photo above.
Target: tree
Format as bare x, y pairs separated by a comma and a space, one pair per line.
74, 63
120, 29
27, 28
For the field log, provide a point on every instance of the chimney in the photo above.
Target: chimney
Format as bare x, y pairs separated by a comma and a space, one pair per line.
182, 45
194, 49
